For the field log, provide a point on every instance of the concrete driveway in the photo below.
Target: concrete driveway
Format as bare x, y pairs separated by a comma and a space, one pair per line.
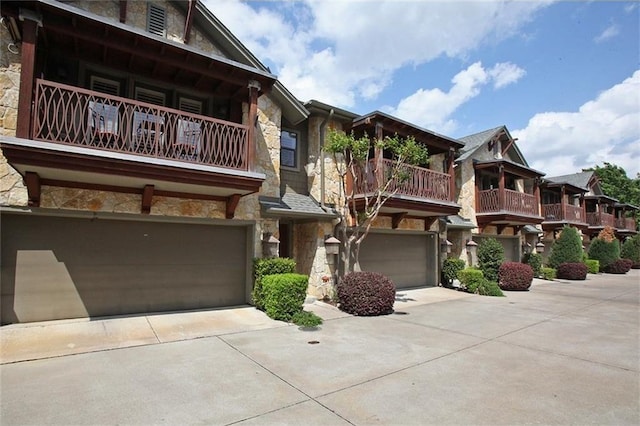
561, 353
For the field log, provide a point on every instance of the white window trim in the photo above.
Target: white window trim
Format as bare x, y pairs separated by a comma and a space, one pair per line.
297, 151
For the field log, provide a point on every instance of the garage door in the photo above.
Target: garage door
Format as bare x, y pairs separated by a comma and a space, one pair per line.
55, 267
408, 259
511, 246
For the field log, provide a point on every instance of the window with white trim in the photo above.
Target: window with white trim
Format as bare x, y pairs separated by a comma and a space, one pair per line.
289, 149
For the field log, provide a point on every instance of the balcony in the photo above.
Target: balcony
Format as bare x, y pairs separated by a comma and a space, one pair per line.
598, 219
626, 224
570, 214
73, 116
424, 190
514, 202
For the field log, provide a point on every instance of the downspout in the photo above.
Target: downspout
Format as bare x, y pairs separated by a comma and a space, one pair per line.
323, 126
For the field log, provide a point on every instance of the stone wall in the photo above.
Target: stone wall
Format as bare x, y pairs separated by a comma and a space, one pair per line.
311, 257
333, 190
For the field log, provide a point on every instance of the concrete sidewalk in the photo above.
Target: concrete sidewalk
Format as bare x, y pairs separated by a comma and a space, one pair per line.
561, 353
24, 342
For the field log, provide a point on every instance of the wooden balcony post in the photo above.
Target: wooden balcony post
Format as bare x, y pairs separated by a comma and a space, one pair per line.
476, 178
563, 205
452, 181
379, 156
252, 121
27, 73
501, 186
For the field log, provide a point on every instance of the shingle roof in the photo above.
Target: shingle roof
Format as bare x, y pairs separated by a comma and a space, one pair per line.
294, 205
580, 180
459, 222
475, 141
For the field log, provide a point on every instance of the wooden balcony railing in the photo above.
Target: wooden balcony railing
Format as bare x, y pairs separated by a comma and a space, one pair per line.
553, 212
601, 219
626, 223
75, 116
513, 202
421, 182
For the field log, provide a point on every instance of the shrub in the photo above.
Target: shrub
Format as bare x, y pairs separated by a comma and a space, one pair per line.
548, 274
450, 269
270, 266
515, 276
572, 271
567, 248
366, 294
490, 257
284, 295
535, 261
593, 266
620, 266
306, 319
606, 252
631, 250
607, 234
474, 281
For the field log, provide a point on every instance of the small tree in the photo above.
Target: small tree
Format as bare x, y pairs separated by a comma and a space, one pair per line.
605, 248
631, 250
567, 248
365, 186
490, 257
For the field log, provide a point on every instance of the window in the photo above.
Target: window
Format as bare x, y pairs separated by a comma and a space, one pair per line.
149, 96
289, 149
156, 20
104, 85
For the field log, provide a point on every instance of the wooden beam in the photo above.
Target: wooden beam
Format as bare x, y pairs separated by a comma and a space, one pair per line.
500, 228
232, 203
147, 197
123, 11
32, 181
189, 21
516, 229
396, 218
451, 172
27, 74
428, 221
252, 118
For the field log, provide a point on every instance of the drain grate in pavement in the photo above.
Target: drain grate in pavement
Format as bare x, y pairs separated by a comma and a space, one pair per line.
400, 313
313, 342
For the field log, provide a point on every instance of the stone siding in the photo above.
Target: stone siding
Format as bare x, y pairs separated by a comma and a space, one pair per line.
311, 257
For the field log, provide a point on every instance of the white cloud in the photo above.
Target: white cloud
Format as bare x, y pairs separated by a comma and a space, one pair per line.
609, 32
432, 108
340, 52
604, 129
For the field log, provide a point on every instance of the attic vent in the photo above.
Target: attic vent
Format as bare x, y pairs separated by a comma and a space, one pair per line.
104, 85
156, 20
149, 96
190, 105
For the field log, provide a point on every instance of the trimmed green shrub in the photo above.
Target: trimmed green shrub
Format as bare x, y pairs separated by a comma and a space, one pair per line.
366, 294
620, 266
473, 281
490, 257
548, 274
572, 271
567, 248
515, 276
535, 261
593, 266
605, 252
306, 319
284, 295
450, 269
631, 250
268, 266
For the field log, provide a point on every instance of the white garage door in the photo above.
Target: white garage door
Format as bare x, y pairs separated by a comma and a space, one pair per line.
408, 259
60, 267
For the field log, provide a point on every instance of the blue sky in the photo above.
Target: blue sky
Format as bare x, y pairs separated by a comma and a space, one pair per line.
564, 77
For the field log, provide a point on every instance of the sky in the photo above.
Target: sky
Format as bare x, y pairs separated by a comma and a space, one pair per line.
563, 76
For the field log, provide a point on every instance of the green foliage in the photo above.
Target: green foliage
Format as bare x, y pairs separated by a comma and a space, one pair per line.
306, 319
490, 257
631, 250
567, 248
269, 266
474, 281
347, 144
450, 269
593, 266
548, 274
284, 295
535, 261
615, 183
604, 252
470, 276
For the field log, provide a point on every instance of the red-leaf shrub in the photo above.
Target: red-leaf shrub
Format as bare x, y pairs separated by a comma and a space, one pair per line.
572, 271
620, 266
366, 294
515, 276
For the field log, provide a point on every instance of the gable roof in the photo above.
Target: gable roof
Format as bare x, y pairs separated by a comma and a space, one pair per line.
292, 108
474, 141
585, 179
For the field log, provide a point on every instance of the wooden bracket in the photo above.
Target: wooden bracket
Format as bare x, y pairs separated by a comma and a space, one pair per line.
516, 229
32, 180
428, 221
147, 196
396, 218
232, 203
123, 11
500, 228
189, 21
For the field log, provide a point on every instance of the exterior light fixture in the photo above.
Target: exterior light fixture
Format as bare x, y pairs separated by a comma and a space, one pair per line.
270, 245
331, 245
446, 245
540, 248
